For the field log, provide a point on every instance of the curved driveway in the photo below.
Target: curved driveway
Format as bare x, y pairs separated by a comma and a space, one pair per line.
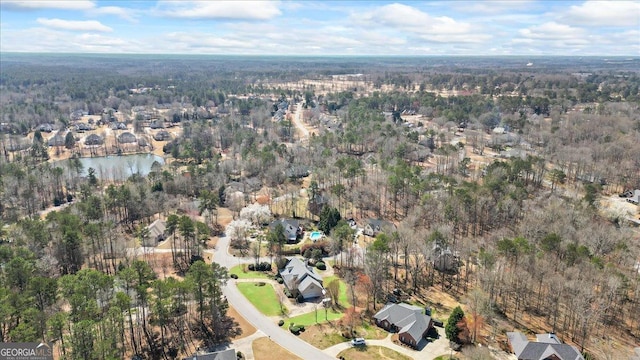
257, 319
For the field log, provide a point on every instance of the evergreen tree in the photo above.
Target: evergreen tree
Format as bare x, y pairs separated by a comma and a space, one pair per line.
451, 329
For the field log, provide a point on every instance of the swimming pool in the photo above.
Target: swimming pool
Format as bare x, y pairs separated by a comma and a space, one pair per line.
315, 235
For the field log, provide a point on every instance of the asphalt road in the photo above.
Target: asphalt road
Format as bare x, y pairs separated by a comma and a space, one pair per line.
258, 320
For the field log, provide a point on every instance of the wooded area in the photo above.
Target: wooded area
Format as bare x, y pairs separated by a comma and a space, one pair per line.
501, 188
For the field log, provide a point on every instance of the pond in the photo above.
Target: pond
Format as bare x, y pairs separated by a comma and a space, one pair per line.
115, 167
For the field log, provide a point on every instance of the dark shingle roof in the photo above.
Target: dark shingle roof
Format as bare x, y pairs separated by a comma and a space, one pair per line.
408, 318
547, 345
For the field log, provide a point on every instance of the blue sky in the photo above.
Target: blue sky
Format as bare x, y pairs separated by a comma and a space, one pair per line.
509, 27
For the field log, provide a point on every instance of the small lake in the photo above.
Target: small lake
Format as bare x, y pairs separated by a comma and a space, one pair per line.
116, 167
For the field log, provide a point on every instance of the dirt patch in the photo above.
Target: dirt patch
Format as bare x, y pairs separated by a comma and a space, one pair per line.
264, 348
323, 335
245, 326
224, 216
371, 352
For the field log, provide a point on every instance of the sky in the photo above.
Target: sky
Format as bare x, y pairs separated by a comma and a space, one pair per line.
410, 28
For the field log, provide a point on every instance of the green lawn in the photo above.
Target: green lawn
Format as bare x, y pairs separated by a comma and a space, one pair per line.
343, 299
244, 273
264, 298
310, 318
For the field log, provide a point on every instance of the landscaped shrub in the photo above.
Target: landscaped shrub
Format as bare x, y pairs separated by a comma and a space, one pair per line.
321, 265
300, 299
287, 293
264, 266
281, 322
233, 276
239, 355
295, 329
279, 280
322, 245
252, 267
261, 283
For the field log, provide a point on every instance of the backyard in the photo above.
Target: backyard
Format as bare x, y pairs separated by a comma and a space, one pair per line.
263, 297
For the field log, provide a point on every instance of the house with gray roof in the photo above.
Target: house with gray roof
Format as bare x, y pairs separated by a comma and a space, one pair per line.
162, 136
546, 347
291, 227
301, 279
127, 138
229, 354
157, 231
57, 139
373, 227
94, 139
410, 322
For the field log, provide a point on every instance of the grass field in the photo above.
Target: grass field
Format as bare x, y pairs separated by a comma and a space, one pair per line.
264, 298
242, 274
343, 299
372, 353
310, 318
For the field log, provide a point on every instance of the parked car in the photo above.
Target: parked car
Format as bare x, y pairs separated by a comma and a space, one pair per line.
358, 342
437, 323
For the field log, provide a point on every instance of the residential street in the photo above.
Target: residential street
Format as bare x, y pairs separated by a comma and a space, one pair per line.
261, 322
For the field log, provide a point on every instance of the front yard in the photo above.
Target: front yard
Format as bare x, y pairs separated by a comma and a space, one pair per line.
310, 318
371, 352
263, 297
243, 273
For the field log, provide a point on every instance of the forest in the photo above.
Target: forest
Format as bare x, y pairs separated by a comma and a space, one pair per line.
517, 175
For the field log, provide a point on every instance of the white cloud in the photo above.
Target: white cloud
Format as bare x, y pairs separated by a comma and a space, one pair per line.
123, 13
604, 13
248, 10
47, 4
552, 31
74, 25
491, 7
415, 22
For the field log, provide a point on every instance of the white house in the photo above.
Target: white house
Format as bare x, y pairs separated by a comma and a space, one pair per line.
302, 279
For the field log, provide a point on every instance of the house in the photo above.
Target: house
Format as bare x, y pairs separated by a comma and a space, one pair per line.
126, 138
301, 279
410, 322
291, 227
46, 128
82, 127
93, 139
157, 231
636, 354
162, 136
156, 124
57, 139
635, 198
297, 172
118, 126
546, 347
317, 203
373, 227
444, 259
229, 354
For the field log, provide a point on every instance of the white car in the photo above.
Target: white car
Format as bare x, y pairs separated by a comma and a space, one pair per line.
357, 341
